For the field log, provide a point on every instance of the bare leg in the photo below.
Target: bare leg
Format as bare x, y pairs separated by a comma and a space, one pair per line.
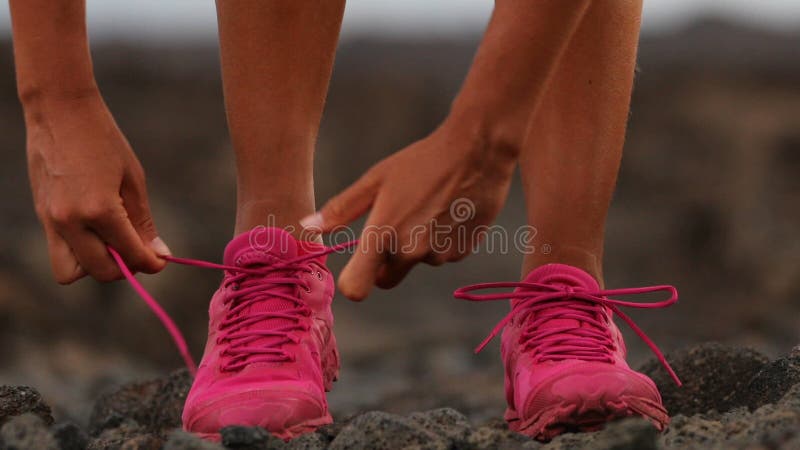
572, 152
276, 63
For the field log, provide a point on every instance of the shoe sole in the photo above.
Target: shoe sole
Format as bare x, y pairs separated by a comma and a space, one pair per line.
589, 415
286, 434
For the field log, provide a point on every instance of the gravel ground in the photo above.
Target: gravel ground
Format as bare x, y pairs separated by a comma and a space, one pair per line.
732, 398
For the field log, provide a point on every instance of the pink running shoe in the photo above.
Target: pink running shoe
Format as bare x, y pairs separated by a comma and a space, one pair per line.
271, 353
564, 357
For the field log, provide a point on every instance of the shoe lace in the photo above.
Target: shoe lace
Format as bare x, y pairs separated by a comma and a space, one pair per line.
547, 302
251, 285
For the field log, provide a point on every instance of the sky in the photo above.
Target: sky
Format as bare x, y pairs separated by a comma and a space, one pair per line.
195, 19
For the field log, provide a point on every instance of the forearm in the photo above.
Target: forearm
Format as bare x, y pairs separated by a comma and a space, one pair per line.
519, 52
51, 51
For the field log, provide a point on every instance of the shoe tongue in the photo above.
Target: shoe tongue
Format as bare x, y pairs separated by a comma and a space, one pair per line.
262, 248
562, 275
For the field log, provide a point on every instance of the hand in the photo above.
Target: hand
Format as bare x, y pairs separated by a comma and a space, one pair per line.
414, 199
89, 190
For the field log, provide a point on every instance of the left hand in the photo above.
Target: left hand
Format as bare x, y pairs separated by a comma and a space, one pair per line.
427, 203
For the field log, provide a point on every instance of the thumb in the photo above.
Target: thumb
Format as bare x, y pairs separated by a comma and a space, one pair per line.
135, 200
345, 207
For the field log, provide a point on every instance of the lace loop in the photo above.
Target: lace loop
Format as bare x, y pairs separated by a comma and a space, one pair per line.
585, 343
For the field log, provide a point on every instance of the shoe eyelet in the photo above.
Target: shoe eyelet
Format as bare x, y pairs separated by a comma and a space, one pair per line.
235, 287
307, 289
319, 275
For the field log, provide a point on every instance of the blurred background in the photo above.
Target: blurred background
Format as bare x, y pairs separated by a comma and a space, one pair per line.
708, 197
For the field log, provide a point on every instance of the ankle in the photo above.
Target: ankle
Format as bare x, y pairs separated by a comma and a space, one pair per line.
272, 214
589, 261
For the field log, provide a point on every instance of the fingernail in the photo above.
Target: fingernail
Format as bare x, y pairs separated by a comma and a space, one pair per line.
160, 247
312, 221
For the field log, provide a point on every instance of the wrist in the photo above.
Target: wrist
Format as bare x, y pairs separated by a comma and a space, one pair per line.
498, 133
34, 95
40, 103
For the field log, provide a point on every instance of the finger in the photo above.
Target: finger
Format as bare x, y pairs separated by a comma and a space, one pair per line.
91, 253
415, 249
358, 276
391, 273
436, 259
118, 232
137, 205
345, 207
63, 262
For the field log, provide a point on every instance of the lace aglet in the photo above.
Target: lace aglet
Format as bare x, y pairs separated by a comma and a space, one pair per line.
483, 344
675, 377
190, 364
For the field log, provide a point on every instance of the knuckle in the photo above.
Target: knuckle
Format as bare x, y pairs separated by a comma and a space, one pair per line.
137, 172
96, 211
144, 223
62, 215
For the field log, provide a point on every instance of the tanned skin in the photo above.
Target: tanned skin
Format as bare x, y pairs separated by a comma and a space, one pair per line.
548, 90
88, 186
573, 148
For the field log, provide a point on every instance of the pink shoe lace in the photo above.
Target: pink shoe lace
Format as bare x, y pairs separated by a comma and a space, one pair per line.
233, 327
591, 343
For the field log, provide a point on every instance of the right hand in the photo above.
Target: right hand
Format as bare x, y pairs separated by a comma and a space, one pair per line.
89, 190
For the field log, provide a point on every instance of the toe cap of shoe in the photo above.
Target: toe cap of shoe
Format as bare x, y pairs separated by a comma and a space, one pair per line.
586, 384
278, 411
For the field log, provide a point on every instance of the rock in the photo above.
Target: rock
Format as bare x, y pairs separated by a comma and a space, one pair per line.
628, 434
128, 435
772, 382
695, 432
714, 377
70, 436
733, 398
772, 426
331, 430
309, 441
166, 405
250, 438
18, 400
378, 430
142, 442
154, 404
181, 440
445, 422
496, 436
27, 432
129, 402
